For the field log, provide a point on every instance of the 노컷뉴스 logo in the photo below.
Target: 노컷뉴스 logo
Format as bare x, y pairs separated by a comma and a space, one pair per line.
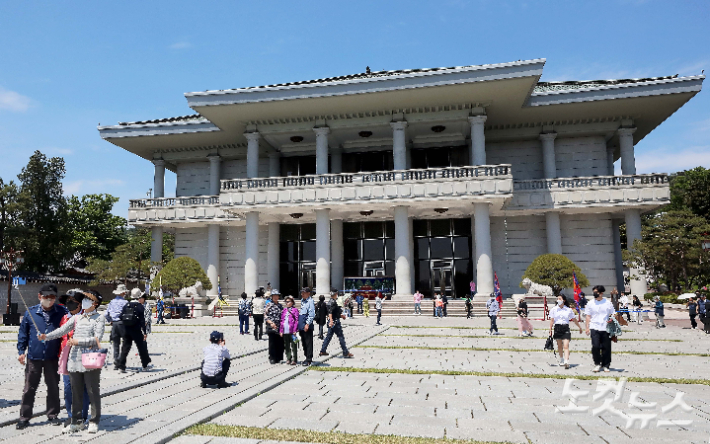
609, 397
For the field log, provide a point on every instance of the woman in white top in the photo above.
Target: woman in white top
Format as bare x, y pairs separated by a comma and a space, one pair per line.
559, 327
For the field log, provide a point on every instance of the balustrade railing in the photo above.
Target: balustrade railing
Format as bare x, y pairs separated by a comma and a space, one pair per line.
481, 171
590, 182
157, 202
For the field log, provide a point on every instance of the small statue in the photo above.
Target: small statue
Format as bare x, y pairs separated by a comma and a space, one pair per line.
195, 290
536, 289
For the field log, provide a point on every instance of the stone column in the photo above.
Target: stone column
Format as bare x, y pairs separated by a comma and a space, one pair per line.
548, 155
554, 233
412, 264
156, 244
618, 259
251, 253
322, 252
610, 160
212, 257
274, 165
159, 178
484, 255
337, 254
336, 161
478, 140
252, 154
633, 232
273, 255
399, 144
626, 145
214, 174
322, 150
402, 255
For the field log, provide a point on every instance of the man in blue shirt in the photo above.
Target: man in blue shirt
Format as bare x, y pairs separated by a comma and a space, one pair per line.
307, 311
40, 357
113, 315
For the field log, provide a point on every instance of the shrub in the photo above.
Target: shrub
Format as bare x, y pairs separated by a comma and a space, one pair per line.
556, 271
180, 273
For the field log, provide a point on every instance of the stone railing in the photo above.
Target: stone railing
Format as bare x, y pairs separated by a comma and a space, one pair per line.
603, 191
176, 210
174, 202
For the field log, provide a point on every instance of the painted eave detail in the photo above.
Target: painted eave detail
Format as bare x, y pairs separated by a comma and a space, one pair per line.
157, 129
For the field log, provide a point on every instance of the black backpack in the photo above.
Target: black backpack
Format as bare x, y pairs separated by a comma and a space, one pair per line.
129, 316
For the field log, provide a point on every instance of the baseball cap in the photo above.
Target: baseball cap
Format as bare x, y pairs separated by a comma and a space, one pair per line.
306, 290
48, 289
216, 336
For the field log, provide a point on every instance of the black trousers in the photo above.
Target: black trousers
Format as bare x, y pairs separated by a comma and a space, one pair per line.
307, 341
133, 334
276, 347
601, 348
118, 331
320, 330
258, 326
89, 381
219, 377
379, 315
33, 374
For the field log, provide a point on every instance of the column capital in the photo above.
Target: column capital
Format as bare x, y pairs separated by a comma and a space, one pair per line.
321, 131
477, 119
214, 158
548, 136
400, 125
626, 131
253, 136
159, 162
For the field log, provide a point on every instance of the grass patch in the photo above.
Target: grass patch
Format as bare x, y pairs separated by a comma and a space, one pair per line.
522, 337
311, 436
507, 375
531, 350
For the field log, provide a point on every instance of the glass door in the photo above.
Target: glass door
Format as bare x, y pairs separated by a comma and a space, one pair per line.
308, 275
442, 278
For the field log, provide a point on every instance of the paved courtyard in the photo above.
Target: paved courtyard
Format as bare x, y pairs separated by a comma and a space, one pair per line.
412, 377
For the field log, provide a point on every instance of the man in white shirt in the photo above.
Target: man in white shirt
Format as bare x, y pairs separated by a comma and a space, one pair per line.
597, 314
215, 364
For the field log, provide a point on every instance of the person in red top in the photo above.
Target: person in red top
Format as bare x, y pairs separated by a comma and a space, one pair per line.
499, 299
72, 301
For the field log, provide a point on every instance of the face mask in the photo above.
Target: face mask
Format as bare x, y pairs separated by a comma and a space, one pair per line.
86, 303
47, 303
72, 305
560, 302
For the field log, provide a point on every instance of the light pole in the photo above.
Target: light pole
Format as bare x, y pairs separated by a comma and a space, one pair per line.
10, 259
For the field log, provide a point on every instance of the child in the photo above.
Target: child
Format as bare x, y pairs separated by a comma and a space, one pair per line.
215, 364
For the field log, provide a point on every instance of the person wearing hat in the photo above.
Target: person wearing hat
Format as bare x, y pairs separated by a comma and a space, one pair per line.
113, 317
40, 357
72, 301
215, 363
306, 315
133, 319
335, 313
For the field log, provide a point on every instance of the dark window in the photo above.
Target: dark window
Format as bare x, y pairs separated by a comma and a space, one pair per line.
389, 229
440, 227
352, 269
298, 165
440, 157
373, 230
368, 161
289, 232
308, 251
421, 248
289, 251
308, 232
296, 249
352, 230
368, 246
373, 250
420, 228
389, 249
424, 277
462, 227
441, 248
389, 268
351, 249
461, 247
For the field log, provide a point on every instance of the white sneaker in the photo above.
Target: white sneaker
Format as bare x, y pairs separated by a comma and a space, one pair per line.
72, 428
606, 369
562, 362
566, 365
597, 369
93, 427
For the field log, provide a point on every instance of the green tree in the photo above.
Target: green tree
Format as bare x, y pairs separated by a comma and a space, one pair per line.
690, 190
180, 273
95, 231
556, 271
670, 249
9, 213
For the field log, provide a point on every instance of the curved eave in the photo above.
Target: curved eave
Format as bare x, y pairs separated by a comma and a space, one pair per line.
159, 129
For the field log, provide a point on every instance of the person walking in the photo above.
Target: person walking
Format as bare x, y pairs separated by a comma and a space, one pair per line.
147, 314
334, 328
88, 328
445, 300
701, 307
113, 317
366, 306
40, 357
438, 306
493, 309
637, 310
624, 306
597, 315
72, 302
244, 308
349, 304
692, 312
658, 309
378, 307
418, 302
133, 320
525, 328
359, 299
706, 304
215, 362
257, 305
272, 316
472, 287
560, 316
469, 307
288, 329
306, 315
159, 310
321, 315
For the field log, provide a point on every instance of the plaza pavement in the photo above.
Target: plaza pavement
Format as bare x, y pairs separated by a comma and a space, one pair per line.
157, 406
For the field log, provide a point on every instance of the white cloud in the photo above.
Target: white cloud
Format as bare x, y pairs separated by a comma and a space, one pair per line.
670, 161
181, 45
80, 187
12, 101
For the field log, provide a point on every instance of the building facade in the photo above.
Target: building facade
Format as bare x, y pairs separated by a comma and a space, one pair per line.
434, 176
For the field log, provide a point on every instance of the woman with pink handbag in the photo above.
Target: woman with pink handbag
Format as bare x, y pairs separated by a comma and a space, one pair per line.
85, 359
72, 301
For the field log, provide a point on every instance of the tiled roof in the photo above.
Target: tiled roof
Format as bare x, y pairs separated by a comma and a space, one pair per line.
192, 117
579, 84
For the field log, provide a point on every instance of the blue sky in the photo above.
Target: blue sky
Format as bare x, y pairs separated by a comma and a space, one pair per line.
66, 66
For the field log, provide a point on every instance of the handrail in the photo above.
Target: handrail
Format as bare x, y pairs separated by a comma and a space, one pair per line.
188, 201
480, 171
590, 182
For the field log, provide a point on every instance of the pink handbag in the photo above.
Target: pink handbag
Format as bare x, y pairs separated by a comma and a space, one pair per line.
94, 359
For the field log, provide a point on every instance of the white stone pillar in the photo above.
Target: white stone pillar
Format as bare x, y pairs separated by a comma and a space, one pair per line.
274, 165
337, 254
251, 253
484, 255
402, 255
322, 252
633, 232
554, 233
156, 244
322, 150
212, 257
252, 154
336, 161
548, 155
159, 178
412, 264
626, 145
273, 255
214, 174
478, 140
610, 160
399, 144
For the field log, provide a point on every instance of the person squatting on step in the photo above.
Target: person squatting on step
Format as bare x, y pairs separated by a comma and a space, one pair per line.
215, 362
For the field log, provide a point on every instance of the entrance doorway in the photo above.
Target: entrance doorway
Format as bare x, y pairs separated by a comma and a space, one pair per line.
308, 275
442, 278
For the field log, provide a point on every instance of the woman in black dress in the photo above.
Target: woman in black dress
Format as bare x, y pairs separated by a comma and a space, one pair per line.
321, 315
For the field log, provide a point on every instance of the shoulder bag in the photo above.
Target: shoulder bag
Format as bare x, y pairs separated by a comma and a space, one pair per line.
94, 358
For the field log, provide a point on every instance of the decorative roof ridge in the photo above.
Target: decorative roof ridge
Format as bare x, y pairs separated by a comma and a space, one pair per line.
186, 119
579, 84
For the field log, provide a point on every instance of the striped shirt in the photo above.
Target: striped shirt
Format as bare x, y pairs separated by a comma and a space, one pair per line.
87, 329
114, 309
215, 354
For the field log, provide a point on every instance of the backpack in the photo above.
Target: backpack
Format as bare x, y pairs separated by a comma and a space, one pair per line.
129, 316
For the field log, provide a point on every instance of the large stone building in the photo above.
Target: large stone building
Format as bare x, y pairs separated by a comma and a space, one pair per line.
435, 176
